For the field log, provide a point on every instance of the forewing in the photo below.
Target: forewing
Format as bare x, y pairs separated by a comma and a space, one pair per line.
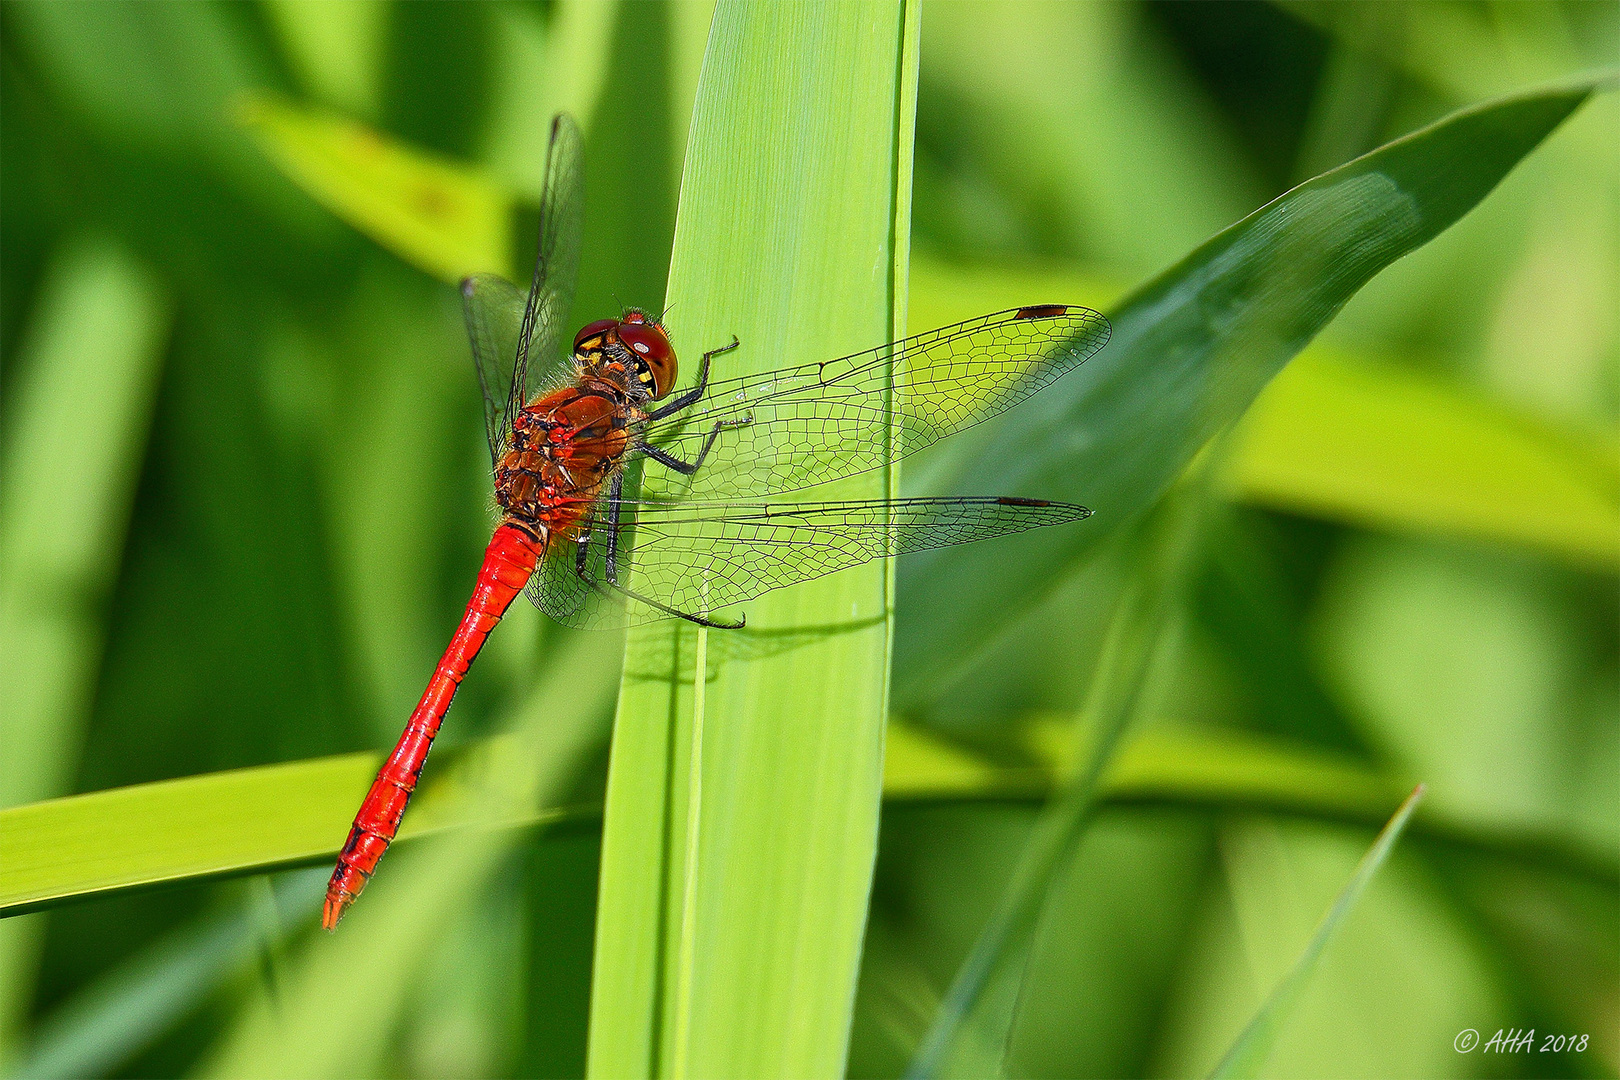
493, 308
556, 264
805, 425
702, 557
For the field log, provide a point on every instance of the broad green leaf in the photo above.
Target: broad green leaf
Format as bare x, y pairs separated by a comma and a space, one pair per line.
736, 865
81, 404
1190, 351
447, 219
1352, 438
970, 1033
1379, 447
1249, 1053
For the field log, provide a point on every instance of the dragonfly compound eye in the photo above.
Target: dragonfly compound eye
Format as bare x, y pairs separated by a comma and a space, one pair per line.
591, 338
647, 343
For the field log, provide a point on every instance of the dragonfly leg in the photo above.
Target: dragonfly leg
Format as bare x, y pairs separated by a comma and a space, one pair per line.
614, 502
611, 558
687, 468
713, 624
691, 397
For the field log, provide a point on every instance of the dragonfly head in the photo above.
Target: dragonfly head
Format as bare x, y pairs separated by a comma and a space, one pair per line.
638, 342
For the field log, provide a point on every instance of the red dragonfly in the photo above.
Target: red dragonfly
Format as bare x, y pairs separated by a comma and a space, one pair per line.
622, 501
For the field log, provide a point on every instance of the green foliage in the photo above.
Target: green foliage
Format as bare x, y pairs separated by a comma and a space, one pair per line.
971, 1033
1249, 1054
445, 218
1379, 447
1399, 566
1190, 351
742, 803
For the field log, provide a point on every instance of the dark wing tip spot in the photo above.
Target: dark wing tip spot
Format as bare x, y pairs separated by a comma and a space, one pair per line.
1008, 500
1041, 311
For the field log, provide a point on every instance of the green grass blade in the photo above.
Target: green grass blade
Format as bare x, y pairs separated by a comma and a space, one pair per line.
321, 1023
969, 1034
229, 823
113, 1019
1354, 438
77, 425
448, 219
791, 234
1189, 353
1249, 1053
56, 842
1376, 446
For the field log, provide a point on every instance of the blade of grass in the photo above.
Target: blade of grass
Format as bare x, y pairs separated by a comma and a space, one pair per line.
447, 219
969, 1034
1251, 1049
77, 427
1376, 446
1217, 768
1353, 438
321, 1025
1190, 352
229, 823
791, 234
76, 431
112, 1020
336, 50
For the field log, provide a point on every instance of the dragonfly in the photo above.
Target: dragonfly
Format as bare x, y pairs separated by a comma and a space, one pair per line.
622, 500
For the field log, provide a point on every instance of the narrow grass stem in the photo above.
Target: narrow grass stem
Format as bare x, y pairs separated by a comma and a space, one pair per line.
689, 875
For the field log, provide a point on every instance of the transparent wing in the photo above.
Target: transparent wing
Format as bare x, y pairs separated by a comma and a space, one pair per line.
493, 308
817, 422
515, 341
698, 558
556, 264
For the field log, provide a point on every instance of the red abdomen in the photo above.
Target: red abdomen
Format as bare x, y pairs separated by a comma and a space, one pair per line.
508, 562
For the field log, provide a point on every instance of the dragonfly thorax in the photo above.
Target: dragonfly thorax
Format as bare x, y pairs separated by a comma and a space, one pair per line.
562, 448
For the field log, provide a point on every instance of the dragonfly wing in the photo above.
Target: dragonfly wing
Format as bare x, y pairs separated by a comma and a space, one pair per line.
556, 264
813, 423
701, 557
578, 594
493, 308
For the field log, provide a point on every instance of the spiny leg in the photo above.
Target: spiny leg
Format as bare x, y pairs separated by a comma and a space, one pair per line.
687, 468
615, 503
713, 624
691, 397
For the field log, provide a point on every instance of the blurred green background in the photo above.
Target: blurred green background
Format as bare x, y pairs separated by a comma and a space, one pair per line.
245, 491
